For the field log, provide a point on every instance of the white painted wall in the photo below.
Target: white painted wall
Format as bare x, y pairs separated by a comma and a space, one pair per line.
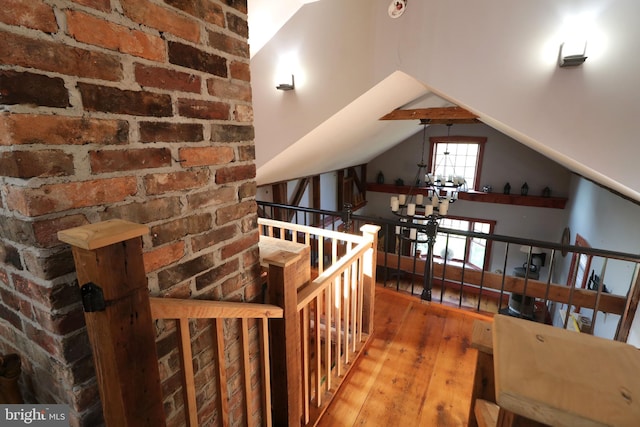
505, 160
495, 57
606, 221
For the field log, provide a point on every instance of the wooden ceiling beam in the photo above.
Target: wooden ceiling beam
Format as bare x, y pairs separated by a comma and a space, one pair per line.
442, 115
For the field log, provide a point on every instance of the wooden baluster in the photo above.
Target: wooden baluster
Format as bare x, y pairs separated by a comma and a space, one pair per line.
369, 283
118, 316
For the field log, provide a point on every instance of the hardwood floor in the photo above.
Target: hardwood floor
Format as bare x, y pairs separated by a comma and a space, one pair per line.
417, 370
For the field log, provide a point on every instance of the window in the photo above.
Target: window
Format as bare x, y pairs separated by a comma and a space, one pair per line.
473, 251
457, 155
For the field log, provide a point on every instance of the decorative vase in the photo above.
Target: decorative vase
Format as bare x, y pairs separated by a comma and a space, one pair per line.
380, 178
546, 192
507, 188
524, 190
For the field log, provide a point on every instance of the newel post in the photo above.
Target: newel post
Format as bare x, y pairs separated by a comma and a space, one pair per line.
287, 271
110, 270
370, 267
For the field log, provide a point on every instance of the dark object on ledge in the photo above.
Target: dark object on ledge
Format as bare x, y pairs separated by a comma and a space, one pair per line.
546, 192
9, 375
507, 188
399, 182
380, 178
524, 190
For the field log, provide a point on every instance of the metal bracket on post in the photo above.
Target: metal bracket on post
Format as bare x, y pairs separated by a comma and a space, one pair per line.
92, 298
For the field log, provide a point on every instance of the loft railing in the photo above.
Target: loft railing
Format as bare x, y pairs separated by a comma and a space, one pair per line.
333, 317
245, 315
559, 297
308, 337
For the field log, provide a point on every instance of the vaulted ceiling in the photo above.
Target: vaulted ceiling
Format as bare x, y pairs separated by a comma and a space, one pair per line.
359, 66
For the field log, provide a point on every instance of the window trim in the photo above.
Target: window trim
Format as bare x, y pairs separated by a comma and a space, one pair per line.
488, 247
480, 140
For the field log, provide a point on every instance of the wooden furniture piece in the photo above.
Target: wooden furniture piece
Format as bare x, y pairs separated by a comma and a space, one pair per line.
562, 378
483, 396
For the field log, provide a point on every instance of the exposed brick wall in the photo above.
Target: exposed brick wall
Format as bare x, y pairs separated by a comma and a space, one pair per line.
133, 109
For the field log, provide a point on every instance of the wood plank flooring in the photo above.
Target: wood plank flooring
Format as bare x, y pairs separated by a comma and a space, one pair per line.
418, 368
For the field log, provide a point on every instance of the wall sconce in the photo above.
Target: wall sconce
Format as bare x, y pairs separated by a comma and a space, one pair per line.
572, 53
287, 86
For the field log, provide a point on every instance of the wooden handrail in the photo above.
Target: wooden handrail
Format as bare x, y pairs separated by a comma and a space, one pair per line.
614, 304
173, 308
353, 238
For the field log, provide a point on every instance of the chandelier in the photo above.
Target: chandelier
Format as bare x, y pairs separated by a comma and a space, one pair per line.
426, 202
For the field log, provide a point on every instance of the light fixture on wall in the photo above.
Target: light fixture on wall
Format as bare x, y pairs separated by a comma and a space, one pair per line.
424, 205
287, 86
572, 53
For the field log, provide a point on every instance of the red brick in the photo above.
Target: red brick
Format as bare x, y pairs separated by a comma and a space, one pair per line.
46, 231
4, 278
29, 13
211, 197
170, 132
163, 256
124, 160
53, 56
201, 9
16, 303
176, 181
59, 197
205, 156
232, 133
162, 19
239, 5
213, 237
248, 189
238, 25
103, 5
243, 113
50, 266
32, 89
60, 324
186, 270
227, 214
209, 110
54, 296
16, 129
10, 316
246, 153
144, 212
217, 274
240, 71
112, 100
228, 44
230, 288
179, 228
31, 164
167, 79
197, 59
235, 174
229, 90
96, 31
237, 246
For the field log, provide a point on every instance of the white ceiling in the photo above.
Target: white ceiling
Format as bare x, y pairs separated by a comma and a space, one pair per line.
266, 17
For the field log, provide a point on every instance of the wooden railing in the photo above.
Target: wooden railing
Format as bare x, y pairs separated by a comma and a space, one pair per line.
333, 316
182, 310
309, 335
